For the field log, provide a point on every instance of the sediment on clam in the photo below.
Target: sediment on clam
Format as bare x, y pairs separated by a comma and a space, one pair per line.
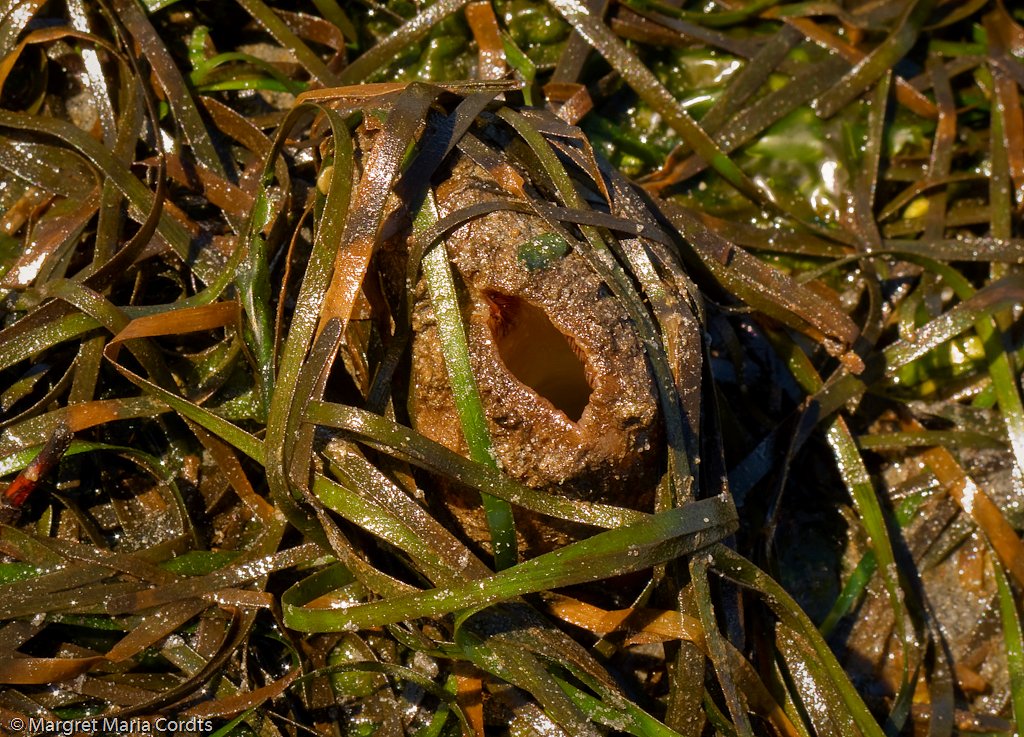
571, 404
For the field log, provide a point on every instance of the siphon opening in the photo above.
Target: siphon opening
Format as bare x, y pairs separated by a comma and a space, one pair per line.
539, 355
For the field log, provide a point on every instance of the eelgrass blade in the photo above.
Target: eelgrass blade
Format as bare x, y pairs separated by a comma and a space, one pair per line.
767, 288
717, 648
139, 196
940, 687
455, 348
617, 713
811, 687
858, 483
615, 552
647, 86
253, 282
1000, 363
734, 567
387, 436
179, 98
384, 52
287, 38
980, 507
879, 61
283, 418
523, 668
1013, 641
852, 591
81, 155
248, 444
986, 301
448, 560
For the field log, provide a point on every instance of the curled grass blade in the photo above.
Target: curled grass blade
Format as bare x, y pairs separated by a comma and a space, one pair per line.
177, 94
139, 196
283, 417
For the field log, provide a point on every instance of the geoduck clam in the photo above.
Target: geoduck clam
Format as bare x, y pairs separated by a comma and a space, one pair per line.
571, 403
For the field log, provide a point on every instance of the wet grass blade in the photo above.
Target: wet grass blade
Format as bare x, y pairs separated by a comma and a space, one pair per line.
283, 419
647, 86
389, 437
1013, 640
611, 553
735, 568
858, 483
287, 38
454, 346
879, 61
139, 196
717, 648
384, 52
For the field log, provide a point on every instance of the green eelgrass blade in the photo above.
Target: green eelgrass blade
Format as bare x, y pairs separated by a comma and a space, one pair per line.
858, 482
647, 86
1013, 640
455, 348
227, 431
34, 340
664, 536
253, 281
854, 587
971, 312
387, 436
399, 40
882, 59
372, 517
369, 494
334, 578
139, 196
280, 31
445, 694
521, 63
810, 687
519, 665
717, 647
264, 76
716, 19
736, 568
283, 419
619, 714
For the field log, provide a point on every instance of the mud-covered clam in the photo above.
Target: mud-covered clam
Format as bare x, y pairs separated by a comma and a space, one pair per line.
571, 404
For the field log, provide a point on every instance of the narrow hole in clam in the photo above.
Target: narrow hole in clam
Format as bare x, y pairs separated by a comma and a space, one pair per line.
538, 354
